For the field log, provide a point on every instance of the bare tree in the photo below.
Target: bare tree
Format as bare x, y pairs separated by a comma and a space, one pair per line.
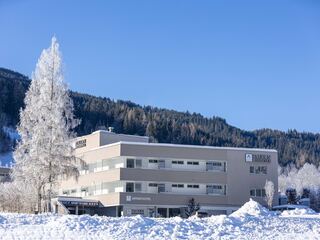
269, 189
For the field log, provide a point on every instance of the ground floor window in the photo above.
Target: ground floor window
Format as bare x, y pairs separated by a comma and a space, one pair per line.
173, 212
162, 212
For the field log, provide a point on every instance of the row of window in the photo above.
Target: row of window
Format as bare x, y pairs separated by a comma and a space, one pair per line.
258, 169
257, 193
182, 186
137, 187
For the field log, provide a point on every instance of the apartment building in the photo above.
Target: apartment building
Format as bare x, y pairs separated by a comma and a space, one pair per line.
130, 176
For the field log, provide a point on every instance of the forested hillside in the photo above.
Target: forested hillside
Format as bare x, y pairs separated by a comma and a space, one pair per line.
162, 125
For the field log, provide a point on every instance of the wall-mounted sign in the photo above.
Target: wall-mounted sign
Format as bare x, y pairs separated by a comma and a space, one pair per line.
258, 158
81, 143
141, 198
80, 203
130, 198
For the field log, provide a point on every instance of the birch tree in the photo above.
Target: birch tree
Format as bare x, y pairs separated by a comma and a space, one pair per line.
269, 189
45, 152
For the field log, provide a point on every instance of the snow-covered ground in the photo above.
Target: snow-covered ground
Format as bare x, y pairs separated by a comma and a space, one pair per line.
250, 222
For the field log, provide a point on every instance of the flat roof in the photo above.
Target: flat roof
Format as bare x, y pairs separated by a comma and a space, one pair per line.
184, 146
113, 133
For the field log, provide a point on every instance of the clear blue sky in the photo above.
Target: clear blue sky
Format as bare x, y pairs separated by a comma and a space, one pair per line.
255, 63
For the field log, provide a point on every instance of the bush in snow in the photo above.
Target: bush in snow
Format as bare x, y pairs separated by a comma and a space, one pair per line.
269, 189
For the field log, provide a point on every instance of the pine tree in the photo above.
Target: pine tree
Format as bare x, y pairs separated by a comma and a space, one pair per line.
45, 151
192, 208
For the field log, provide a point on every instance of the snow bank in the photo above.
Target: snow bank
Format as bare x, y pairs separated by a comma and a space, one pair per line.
251, 209
256, 223
299, 212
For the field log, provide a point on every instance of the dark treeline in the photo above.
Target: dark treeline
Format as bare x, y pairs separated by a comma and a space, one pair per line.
162, 125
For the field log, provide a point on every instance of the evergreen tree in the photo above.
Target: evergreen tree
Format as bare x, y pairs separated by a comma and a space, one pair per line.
45, 151
192, 207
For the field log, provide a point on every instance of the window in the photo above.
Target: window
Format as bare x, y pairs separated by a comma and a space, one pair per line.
193, 186
138, 163
81, 143
137, 187
65, 192
153, 185
217, 164
215, 189
177, 162
129, 187
258, 192
258, 169
153, 161
161, 188
137, 211
73, 190
192, 163
130, 163
178, 185
162, 163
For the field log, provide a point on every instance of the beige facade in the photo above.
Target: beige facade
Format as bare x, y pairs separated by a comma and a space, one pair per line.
132, 176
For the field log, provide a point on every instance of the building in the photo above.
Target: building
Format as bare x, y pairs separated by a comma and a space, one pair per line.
129, 176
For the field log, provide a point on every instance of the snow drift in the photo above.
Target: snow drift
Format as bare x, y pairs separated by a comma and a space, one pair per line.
256, 223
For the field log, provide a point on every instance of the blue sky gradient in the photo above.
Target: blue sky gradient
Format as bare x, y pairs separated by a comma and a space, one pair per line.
255, 63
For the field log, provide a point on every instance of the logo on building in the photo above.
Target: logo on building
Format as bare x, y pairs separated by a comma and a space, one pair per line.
81, 143
258, 158
128, 198
248, 157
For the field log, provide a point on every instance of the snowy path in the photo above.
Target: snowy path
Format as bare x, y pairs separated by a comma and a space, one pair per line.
250, 222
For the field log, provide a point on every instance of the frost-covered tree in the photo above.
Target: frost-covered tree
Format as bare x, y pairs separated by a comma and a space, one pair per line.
269, 189
17, 197
45, 152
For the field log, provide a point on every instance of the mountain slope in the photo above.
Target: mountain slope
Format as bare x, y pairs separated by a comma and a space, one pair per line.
162, 125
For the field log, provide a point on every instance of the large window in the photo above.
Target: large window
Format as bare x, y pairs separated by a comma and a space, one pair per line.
193, 186
178, 185
177, 162
192, 163
130, 163
215, 189
215, 166
138, 163
137, 187
134, 163
130, 187
257, 193
161, 187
